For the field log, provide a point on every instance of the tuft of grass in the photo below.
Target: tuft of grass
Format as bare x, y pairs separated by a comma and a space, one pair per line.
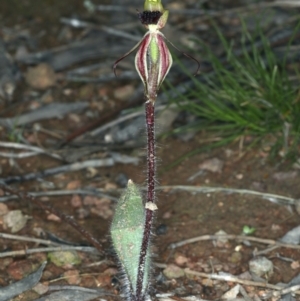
249, 95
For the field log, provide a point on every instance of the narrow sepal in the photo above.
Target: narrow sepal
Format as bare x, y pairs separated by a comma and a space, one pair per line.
163, 20
166, 60
141, 58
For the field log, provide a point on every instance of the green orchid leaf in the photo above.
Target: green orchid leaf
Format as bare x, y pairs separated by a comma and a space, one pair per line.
127, 234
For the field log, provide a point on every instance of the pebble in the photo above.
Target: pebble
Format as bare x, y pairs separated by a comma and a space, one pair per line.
124, 92
82, 213
261, 266
64, 258
232, 293
76, 201
15, 220
173, 271
161, 229
283, 176
41, 289
53, 217
214, 165
220, 241
181, 260
73, 185
40, 77
19, 269
235, 257
3, 209
122, 180
292, 236
72, 277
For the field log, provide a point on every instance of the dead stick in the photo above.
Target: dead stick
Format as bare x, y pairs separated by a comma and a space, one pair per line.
230, 236
231, 278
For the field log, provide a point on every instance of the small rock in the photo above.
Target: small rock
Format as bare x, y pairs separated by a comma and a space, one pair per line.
167, 215
245, 276
214, 165
239, 176
283, 176
3, 209
161, 229
20, 269
41, 289
89, 200
76, 201
172, 271
259, 186
5, 262
86, 91
261, 266
15, 220
296, 165
82, 213
232, 293
109, 186
73, 185
110, 271
221, 241
181, 260
208, 282
122, 180
295, 265
292, 236
124, 92
53, 217
235, 257
64, 258
41, 77
72, 277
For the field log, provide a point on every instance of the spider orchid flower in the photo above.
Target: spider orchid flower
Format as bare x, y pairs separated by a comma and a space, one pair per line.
153, 59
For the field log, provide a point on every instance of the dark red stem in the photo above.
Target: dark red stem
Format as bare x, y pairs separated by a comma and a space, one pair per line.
150, 124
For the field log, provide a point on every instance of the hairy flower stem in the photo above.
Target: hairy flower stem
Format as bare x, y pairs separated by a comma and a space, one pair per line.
150, 124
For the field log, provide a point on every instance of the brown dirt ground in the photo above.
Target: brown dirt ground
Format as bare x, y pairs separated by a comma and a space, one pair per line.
182, 215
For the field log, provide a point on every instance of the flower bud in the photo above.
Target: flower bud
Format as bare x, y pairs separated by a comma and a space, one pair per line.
153, 5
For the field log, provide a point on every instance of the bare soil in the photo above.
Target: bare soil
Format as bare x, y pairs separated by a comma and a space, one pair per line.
181, 215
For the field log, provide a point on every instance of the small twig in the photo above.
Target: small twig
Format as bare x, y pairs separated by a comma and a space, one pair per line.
231, 278
29, 239
265, 251
231, 236
33, 150
60, 169
51, 249
282, 200
292, 289
72, 287
18, 156
52, 193
77, 23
